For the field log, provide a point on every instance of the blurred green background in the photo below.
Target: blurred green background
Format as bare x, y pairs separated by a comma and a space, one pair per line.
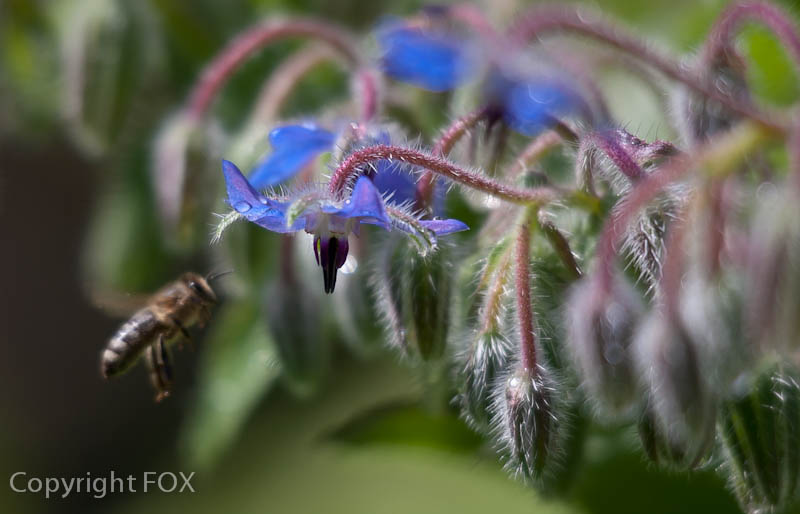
364, 443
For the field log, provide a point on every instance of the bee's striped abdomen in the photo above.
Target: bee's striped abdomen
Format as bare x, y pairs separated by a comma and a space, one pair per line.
130, 340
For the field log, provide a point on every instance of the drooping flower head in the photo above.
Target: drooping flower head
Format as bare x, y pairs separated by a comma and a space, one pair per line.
330, 222
437, 61
531, 100
521, 93
315, 210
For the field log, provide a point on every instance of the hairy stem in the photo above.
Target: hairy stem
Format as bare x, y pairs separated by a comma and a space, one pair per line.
492, 304
541, 20
722, 34
242, 47
794, 156
443, 146
368, 92
531, 153
473, 17
561, 246
522, 285
354, 163
672, 271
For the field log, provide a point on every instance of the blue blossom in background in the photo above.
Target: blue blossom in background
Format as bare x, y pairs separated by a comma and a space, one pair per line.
294, 146
428, 59
531, 103
315, 211
527, 100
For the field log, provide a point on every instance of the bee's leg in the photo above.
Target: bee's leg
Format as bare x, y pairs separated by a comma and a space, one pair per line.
205, 316
160, 368
186, 335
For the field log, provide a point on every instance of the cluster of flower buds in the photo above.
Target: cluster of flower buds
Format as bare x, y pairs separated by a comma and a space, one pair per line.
590, 274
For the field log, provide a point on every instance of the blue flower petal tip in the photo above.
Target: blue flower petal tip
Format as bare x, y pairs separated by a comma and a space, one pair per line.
241, 194
294, 146
533, 106
431, 60
444, 227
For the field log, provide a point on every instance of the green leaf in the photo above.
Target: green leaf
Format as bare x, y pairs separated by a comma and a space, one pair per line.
238, 368
770, 74
405, 424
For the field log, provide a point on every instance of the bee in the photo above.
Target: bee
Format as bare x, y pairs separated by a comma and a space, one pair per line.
166, 318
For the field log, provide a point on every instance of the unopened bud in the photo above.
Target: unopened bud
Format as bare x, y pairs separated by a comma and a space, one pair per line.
760, 432
484, 361
295, 321
528, 421
682, 404
772, 302
186, 177
600, 329
414, 293
664, 451
107, 68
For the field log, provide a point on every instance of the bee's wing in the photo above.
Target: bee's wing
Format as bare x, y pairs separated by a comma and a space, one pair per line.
115, 303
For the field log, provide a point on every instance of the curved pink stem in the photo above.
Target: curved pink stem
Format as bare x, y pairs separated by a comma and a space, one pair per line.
446, 142
735, 16
541, 20
351, 166
242, 47
522, 286
794, 156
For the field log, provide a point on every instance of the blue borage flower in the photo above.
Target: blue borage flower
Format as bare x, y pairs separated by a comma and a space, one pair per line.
330, 220
295, 146
439, 61
432, 60
531, 103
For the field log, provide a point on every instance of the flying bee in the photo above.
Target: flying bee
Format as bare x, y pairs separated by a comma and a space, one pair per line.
166, 318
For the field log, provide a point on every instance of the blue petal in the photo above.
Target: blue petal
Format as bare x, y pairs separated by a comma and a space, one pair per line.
366, 204
533, 106
251, 204
294, 146
394, 179
391, 177
444, 227
433, 61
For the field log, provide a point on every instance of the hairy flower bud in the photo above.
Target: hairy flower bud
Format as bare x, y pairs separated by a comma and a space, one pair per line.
663, 450
682, 404
357, 315
295, 321
484, 361
760, 433
772, 276
600, 328
108, 70
186, 177
711, 314
413, 293
528, 422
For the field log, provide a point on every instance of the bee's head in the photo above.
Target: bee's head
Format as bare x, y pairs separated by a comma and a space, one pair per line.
199, 286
